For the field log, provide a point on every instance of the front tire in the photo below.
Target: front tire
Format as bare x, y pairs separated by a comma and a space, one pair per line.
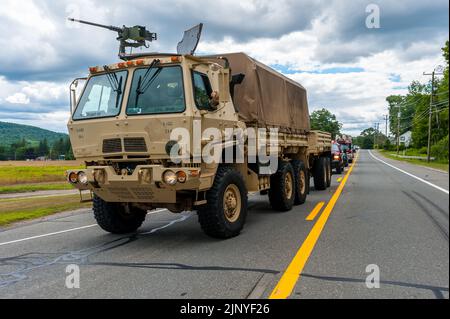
116, 218
226, 210
339, 168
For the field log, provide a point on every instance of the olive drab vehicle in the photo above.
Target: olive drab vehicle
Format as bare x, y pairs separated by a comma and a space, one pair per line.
121, 126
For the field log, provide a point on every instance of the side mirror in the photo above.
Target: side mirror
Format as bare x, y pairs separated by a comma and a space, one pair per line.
73, 93
224, 86
236, 79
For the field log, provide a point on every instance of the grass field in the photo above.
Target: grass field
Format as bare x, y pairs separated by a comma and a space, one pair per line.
14, 173
14, 210
19, 177
22, 188
437, 165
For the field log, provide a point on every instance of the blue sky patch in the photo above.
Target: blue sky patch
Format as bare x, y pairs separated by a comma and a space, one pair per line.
395, 77
337, 70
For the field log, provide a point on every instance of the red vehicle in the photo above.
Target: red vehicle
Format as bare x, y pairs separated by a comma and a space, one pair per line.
345, 142
337, 158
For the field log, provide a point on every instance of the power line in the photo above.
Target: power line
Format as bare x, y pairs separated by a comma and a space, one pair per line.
442, 93
433, 74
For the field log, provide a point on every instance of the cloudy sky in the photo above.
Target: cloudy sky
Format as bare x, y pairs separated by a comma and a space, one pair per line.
325, 45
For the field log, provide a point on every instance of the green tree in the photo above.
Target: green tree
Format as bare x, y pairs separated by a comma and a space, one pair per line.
43, 148
326, 121
58, 148
366, 138
2, 153
68, 147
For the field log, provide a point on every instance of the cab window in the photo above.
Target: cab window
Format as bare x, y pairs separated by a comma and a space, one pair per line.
202, 90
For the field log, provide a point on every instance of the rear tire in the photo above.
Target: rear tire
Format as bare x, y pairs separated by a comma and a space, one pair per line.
282, 187
328, 161
226, 210
320, 174
116, 218
301, 180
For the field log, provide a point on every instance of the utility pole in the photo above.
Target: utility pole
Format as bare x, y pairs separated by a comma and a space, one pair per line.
386, 118
377, 125
435, 72
398, 131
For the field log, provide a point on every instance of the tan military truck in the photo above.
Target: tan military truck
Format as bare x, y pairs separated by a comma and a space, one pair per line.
122, 127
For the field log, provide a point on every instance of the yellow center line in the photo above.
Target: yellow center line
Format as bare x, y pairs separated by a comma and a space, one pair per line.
292, 273
339, 179
315, 211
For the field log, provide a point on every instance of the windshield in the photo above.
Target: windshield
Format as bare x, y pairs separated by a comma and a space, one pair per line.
102, 96
157, 90
344, 147
334, 148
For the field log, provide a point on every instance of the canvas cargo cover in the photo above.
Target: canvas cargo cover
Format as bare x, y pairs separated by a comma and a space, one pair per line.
267, 98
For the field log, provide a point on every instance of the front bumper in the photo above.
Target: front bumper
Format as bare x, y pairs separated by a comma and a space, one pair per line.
144, 185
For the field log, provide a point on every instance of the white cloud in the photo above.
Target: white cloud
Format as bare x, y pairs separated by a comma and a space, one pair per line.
18, 98
305, 37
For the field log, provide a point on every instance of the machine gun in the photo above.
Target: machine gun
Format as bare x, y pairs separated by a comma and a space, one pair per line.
138, 33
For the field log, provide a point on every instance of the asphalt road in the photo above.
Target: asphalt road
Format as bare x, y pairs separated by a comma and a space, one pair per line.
383, 217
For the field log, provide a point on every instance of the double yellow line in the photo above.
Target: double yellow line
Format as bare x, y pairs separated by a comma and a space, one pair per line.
292, 273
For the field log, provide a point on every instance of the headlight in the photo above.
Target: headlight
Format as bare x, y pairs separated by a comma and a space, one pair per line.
73, 178
170, 178
82, 178
336, 157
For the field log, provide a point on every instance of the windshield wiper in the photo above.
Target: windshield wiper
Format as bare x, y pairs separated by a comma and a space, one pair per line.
115, 83
143, 84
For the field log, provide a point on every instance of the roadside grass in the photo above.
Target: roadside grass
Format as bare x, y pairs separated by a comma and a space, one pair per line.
434, 164
13, 175
15, 210
23, 188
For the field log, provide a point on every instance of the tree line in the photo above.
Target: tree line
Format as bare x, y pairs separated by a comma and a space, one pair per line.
411, 112
27, 150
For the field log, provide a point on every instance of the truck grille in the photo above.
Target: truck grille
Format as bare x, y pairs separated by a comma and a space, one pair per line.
135, 144
113, 145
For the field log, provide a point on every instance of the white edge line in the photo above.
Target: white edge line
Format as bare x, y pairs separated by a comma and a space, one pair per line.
409, 174
46, 235
64, 231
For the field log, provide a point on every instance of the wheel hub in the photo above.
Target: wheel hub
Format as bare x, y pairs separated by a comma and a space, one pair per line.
288, 185
302, 182
232, 203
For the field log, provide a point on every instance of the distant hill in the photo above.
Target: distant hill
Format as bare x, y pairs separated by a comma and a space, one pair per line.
10, 133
